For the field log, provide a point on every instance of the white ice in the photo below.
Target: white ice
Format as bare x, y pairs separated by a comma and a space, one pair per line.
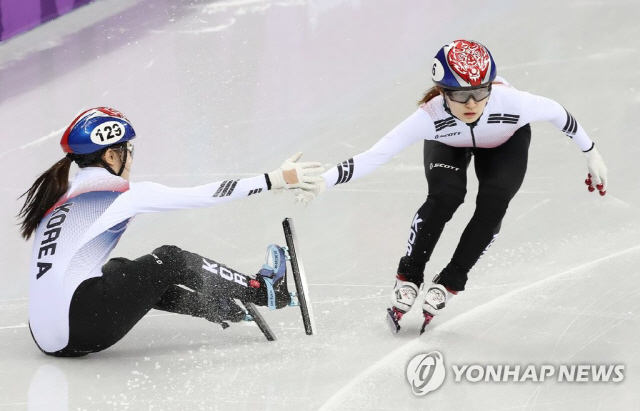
222, 89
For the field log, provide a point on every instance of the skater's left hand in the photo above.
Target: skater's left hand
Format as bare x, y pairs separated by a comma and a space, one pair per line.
292, 174
597, 172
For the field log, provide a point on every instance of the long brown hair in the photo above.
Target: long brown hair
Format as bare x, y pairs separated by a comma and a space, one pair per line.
43, 194
430, 94
53, 183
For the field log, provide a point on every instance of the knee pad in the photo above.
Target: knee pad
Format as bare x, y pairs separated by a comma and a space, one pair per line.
492, 204
451, 196
169, 255
443, 204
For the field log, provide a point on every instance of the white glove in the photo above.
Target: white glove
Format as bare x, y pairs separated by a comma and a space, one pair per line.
597, 172
305, 196
296, 175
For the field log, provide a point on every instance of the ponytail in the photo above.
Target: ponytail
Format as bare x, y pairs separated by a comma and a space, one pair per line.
43, 194
430, 94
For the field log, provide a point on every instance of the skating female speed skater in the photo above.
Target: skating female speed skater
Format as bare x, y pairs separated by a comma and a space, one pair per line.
79, 302
469, 112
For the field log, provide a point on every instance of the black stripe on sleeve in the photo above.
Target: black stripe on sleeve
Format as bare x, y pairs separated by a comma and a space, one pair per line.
345, 171
268, 181
232, 186
571, 126
226, 188
590, 148
217, 193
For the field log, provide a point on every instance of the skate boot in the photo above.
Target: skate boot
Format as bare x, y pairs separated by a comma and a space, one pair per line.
435, 301
402, 298
274, 276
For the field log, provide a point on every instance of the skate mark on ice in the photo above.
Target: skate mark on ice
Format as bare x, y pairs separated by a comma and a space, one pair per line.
342, 300
620, 320
56, 133
14, 326
597, 336
351, 285
336, 399
551, 62
534, 398
14, 299
533, 208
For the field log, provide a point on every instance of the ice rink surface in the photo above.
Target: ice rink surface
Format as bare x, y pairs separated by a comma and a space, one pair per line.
224, 89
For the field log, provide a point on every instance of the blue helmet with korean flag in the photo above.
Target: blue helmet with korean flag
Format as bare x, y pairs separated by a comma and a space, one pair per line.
96, 129
463, 64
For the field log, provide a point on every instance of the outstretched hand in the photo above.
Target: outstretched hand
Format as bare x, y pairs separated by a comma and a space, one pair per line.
305, 196
597, 172
291, 174
302, 175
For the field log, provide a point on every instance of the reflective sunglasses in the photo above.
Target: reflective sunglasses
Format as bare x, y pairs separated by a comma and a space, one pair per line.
462, 96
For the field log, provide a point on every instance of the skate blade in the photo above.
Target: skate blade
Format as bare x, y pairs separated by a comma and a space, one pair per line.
259, 320
392, 322
299, 276
427, 319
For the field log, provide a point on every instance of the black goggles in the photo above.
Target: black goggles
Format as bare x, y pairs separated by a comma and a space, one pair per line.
462, 96
129, 148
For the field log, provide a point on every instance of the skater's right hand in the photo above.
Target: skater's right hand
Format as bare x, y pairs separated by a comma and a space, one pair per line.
305, 196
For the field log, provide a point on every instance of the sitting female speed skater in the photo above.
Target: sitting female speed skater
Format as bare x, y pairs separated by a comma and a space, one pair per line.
79, 301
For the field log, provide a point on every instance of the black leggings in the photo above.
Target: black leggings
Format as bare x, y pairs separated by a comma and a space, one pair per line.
104, 309
500, 173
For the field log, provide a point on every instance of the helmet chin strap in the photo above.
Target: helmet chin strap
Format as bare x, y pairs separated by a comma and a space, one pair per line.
446, 106
123, 162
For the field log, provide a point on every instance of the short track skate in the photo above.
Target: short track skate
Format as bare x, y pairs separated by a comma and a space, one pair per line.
254, 315
427, 319
393, 320
299, 298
